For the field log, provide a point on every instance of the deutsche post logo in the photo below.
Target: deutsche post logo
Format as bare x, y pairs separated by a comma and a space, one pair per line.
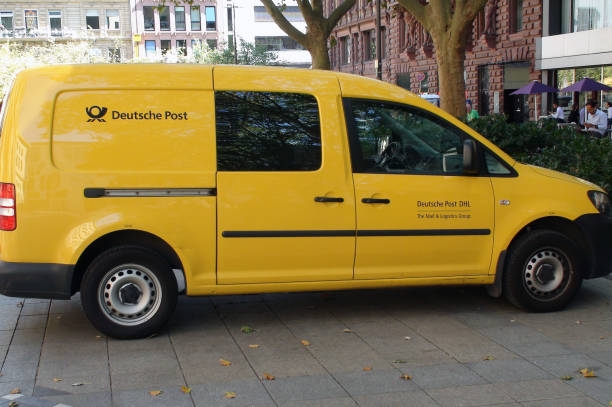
96, 113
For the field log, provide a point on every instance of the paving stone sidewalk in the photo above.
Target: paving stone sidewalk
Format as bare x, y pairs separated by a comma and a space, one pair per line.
456, 347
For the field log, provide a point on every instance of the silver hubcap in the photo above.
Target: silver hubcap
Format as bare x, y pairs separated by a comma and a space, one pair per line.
129, 294
547, 274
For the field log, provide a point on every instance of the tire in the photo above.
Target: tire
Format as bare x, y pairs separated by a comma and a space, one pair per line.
129, 292
543, 272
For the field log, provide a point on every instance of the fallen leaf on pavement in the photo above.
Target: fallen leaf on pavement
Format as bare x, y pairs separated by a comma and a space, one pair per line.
399, 361
155, 393
186, 389
16, 391
247, 329
406, 377
567, 378
224, 362
57, 379
13, 404
268, 376
230, 395
347, 331
305, 342
488, 357
513, 320
254, 346
407, 338
77, 384
602, 337
578, 322
367, 369
587, 373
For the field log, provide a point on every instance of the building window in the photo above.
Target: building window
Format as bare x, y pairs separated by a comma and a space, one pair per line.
149, 18
483, 89
383, 42
355, 52
517, 16
230, 20
181, 47
164, 46
278, 43
266, 131
212, 44
150, 47
112, 19
55, 22
92, 19
291, 13
114, 55
31, 20
179, 18
196, 20
345, 50
6, 20
211, 19
196, 43
369, 43
590, 14
164, 19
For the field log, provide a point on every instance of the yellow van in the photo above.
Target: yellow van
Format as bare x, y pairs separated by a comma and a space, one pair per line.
135, 183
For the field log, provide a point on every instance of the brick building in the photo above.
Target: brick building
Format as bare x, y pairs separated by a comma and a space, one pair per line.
500, 57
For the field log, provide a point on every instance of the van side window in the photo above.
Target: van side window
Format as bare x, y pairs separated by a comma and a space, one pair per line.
267, 131
494, 166
391, 138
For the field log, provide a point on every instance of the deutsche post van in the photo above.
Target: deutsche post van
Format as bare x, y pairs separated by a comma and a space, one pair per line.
135, 183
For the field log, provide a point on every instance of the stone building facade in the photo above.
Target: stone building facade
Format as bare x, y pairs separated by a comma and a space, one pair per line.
500, 56
106, 24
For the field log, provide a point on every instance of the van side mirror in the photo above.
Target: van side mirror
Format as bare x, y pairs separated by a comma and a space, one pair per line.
470, 157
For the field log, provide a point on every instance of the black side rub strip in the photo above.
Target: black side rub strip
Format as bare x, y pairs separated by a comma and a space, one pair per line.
289, 233
147, 192
364, 233
425, 232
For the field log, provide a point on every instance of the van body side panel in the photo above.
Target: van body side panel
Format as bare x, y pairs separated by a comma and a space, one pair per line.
62, 146
531, 197
270, 228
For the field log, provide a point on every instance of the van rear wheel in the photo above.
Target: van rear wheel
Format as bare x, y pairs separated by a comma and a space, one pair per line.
129, 292
543, 272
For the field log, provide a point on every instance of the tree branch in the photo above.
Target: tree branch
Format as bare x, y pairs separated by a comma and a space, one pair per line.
317, 7
283, 23
337, 14
417, 9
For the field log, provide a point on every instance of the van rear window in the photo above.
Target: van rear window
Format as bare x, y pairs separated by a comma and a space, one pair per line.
267, 131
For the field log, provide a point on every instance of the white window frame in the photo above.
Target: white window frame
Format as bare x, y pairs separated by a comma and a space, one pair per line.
108, 27
87, 15
61, 17
25, 19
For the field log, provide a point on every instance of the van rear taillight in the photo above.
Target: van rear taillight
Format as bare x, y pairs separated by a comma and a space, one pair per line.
8, 217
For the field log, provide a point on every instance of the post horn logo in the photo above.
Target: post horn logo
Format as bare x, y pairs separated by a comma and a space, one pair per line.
96, 113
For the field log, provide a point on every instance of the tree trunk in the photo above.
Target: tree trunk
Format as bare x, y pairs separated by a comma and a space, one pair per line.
317, 46
450, 56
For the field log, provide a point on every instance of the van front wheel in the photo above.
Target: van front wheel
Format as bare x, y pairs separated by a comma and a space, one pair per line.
543, 272
128, 292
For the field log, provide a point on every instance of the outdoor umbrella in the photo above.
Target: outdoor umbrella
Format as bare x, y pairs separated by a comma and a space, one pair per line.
586, 85
535, 88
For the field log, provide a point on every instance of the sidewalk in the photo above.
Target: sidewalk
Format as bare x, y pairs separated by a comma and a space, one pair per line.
456, 346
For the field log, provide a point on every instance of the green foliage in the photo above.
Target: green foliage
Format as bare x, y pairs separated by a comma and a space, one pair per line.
560, 149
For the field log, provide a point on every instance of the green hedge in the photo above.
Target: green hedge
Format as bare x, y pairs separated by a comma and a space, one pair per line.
560, 149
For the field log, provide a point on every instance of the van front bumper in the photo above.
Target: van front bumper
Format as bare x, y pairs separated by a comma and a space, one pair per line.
597, 230
36, 280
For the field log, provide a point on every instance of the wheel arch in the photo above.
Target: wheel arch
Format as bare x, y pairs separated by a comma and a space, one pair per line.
118, 238
554, 223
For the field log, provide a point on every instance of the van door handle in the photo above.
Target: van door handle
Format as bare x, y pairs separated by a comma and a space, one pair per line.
376, 201
328, 199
